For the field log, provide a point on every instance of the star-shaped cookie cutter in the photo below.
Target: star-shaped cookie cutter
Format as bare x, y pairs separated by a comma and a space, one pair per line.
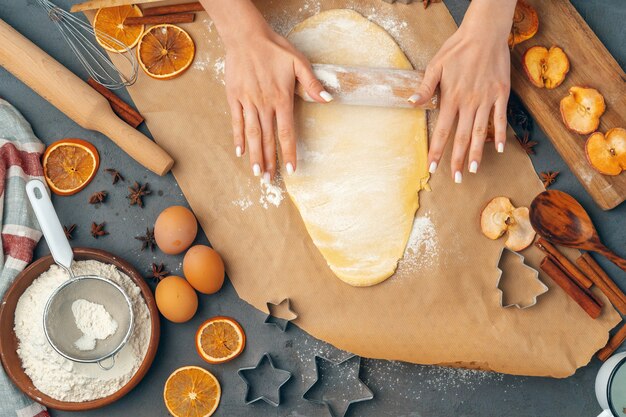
336, 399
265, 376
281, 323
533, 271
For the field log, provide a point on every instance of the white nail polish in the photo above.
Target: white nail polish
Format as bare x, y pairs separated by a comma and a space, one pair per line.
326, 96
238, 151
413, 99
289, 167
473, 168
458, 177
267, 178
256, 169
500, 147
433, 167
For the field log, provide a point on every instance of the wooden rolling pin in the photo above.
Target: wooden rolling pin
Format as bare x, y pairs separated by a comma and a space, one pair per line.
81, 103
361, 86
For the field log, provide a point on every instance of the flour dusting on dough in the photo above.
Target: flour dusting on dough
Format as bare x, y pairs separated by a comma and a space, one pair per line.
422, 249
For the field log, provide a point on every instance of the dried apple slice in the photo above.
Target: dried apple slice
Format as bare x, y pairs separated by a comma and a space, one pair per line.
607, 153
545, 67
525, 23
581, 109
500, 216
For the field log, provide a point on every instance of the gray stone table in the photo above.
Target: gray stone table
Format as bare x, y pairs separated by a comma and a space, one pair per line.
401, 390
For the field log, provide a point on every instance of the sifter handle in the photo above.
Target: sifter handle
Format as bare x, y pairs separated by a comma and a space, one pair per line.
49, 223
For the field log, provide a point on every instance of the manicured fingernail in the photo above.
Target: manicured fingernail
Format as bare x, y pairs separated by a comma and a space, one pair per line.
433, 167
289, 167
267, 178
326, 96
500, 147
473, 168
256, 169
458, 177
238, 151
413, 99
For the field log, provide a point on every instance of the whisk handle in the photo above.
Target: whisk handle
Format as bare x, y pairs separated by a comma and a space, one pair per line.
49, 223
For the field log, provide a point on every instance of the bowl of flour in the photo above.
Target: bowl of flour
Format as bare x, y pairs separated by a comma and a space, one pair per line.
43, 374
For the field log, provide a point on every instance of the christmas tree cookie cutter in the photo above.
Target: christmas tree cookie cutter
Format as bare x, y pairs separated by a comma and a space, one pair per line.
280, 322
264, 381
531, 272
337, 394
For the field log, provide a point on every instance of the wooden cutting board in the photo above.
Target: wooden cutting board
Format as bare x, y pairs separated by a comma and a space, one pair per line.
591, 65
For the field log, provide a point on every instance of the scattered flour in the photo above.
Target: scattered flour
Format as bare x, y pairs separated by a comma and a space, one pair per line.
61, 378
94, 321
243, 203
422, 249
271, 194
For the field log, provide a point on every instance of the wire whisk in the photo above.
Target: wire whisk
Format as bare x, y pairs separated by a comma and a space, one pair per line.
80, 37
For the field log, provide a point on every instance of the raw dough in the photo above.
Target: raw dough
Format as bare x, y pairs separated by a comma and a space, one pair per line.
359, 168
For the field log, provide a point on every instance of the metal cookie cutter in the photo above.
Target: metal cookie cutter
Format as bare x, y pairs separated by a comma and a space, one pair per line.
281, 323
264, 381
337, 385
531, 271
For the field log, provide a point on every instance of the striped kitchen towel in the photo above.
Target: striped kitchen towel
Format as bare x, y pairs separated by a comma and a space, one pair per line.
20, 153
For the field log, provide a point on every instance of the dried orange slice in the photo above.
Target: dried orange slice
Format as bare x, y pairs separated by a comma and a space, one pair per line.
165, 51
220, 340
69, 165
192, 392
110, 21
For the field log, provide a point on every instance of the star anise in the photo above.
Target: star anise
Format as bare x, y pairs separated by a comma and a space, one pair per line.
158, 273
527, 144
69, 230
549, 178
97, 230
115, 174
98, 197
148, 240
518, 115
137, 192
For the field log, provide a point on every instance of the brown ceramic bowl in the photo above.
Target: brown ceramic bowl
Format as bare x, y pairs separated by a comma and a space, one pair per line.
8, 341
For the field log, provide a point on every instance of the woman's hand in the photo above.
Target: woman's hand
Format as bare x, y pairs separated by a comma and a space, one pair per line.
473, 71
261, 71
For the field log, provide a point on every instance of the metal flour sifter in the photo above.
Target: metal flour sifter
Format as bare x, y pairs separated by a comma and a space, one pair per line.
58, 319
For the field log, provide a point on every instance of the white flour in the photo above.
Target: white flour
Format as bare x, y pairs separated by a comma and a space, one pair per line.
94, 321
58, 377
422, 249
271, 194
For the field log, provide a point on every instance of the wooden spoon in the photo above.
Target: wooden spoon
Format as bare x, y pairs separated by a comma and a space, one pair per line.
559, 218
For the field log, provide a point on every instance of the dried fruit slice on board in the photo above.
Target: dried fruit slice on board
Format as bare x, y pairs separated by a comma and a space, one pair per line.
607, 153
546, 67
581, 109
500, 216
69, 165
165, 51
110, 21
525, 23
192, 392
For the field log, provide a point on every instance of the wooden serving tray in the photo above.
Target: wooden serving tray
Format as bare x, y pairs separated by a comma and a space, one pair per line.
591, 65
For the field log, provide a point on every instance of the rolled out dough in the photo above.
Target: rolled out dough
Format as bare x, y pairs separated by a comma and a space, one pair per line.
359, 168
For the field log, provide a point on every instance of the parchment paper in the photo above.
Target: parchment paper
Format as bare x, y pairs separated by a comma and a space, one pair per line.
441, 307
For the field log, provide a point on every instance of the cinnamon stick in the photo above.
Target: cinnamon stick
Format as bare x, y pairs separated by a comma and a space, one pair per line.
161, 19
614, 342
605, 277
565, 264
582, 298
610, 293
176, 8
119, 106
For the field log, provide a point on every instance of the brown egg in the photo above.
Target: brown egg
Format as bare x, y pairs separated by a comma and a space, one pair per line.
176, 299
175, 229
204, 269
